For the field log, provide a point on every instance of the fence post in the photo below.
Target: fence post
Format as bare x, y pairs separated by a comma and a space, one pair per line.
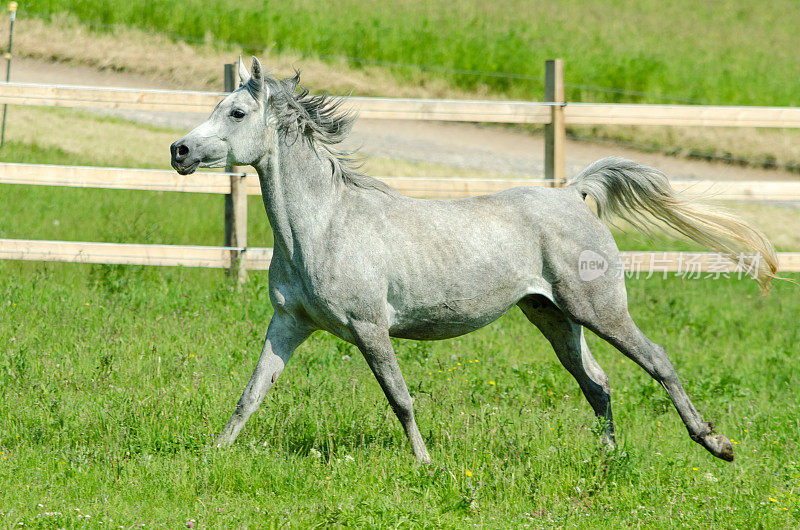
12, 7
555, 135
236, 204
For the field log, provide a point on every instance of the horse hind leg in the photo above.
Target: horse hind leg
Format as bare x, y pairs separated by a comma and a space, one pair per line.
567, 340
603, 309
654, 359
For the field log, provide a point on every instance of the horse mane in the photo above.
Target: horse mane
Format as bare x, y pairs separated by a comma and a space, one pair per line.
322, 121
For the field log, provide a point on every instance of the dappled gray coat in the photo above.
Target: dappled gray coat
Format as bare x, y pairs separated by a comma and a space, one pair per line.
365, 263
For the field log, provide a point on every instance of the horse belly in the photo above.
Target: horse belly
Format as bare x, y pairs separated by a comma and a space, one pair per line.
446, 317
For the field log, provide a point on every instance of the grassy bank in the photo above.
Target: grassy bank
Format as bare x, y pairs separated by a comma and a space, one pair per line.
727, 53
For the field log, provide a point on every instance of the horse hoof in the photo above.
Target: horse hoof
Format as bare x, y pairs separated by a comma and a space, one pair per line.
223, 442
719, 446
607, 442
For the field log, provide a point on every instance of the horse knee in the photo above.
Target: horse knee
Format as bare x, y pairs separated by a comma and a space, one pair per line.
403, 407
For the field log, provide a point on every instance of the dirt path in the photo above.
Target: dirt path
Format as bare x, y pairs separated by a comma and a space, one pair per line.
486, 148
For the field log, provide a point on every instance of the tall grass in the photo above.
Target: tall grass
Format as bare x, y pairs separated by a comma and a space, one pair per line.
716, 52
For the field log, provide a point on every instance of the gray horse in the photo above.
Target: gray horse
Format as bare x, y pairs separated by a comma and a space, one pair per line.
365, 263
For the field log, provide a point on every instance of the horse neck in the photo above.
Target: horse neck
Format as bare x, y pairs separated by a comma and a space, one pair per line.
299, 193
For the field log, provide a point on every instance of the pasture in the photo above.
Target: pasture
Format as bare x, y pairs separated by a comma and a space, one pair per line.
716, 53
116, 379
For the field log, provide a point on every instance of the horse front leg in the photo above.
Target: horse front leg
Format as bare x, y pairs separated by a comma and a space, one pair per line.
284, 335
377, 349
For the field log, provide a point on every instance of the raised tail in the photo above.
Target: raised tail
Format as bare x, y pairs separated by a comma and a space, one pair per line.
631, 190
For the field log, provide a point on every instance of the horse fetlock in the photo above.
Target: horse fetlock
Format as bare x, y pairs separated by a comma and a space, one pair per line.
225, 439
718, 445
423, 458
418, 447
606, 431
700, 431
607, 439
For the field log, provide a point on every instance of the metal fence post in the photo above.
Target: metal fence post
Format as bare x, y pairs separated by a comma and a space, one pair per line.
236, 205
555, 135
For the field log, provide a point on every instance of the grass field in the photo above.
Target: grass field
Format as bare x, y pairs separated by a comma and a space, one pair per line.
724, 53
114, 381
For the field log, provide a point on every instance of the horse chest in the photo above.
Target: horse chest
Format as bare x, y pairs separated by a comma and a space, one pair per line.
314, 297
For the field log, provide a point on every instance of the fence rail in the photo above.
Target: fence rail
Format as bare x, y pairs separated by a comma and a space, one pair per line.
419, 109
420, 187
259, 258
131, 254
554, 113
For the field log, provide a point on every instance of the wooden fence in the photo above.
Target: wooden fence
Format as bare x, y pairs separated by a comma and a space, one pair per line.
554, 113
419, 109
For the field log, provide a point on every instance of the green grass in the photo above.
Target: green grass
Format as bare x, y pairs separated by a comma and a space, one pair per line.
114, 381
725, 53
24, 153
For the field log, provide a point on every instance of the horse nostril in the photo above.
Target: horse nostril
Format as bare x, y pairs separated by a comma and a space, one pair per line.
183, 151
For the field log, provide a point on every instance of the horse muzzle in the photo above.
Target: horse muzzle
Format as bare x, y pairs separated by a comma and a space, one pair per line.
183, 160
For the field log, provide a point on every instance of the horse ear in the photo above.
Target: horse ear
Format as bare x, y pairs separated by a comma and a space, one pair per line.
257, 69
256, 82
244, 75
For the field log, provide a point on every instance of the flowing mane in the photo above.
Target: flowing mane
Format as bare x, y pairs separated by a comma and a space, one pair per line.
323, 123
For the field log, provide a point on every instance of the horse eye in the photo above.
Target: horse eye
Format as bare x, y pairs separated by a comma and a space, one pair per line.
238, 114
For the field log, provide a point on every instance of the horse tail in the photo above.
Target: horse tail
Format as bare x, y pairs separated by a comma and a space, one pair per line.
631, 191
